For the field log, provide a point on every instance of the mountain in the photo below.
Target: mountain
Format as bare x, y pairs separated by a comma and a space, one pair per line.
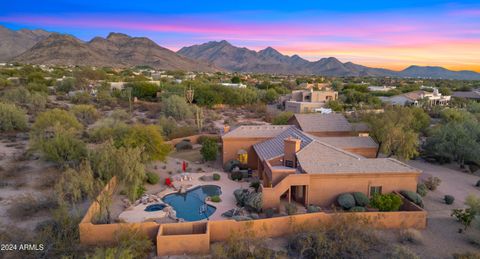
439, 73
13, 43
117, 49
224, 55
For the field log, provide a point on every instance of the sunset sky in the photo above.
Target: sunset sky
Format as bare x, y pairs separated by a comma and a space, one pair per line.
390, 34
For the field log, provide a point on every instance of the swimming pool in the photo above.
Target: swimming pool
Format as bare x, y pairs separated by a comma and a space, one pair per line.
190, 205
155, 207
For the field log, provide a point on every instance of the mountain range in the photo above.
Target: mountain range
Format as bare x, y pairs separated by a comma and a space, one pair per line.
121, 50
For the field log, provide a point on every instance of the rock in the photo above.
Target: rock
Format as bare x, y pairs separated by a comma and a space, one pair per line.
254, 201
241, 196
254, 216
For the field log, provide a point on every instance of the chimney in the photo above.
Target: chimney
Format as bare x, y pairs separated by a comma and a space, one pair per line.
291, 147
226, 129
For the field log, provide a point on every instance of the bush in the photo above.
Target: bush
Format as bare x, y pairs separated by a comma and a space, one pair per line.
255, 185
236, 176
449, 199
357, 209
176, 107
183, 145
216, 177
282, 118
230, 165
478, 183
410, 235
402, 252
386, 202
85, 113
413, 197
422, 189
361, 199
209, 150
432, 183
313, 209
140, 190
27, 206
241, 196
152, 178
12, 118
346, 201
269, 213
62, 148
291, 209
466, 255
254, 201
215, 198
202, 139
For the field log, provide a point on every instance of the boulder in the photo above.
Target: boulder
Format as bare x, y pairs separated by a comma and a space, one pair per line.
254, 201
241, 218
241, 196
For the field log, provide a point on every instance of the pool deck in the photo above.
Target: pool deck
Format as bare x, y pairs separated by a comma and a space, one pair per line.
137, 213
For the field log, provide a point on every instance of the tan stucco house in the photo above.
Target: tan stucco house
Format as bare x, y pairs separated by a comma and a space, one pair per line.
315, 167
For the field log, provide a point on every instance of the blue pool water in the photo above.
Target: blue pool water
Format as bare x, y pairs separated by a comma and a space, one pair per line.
155, 207
190, 205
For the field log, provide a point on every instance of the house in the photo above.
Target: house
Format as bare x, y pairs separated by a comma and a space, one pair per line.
232, 85
381, 88
308, 100
310, 86
470, 95
415, 98
295, 166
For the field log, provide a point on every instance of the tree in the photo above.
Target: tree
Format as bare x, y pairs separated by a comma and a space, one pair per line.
62, 148
455, 115
282, 118
46, 123
209, 150
396, 131
144, 90
445, 91
12, 118
235, 80
465, 216
271, 96
176, 107
85, 113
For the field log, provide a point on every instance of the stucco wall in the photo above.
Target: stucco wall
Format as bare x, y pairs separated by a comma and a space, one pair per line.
231, 147
184, 238
365, 152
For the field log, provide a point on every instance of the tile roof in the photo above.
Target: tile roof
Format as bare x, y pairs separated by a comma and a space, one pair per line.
259, 131
349, 142
274, 147
320, 122
322, 158
470, 95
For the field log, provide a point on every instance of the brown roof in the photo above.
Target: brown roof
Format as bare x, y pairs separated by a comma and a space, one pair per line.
260, 131
349, 142
415, 95
318, 122
322, 158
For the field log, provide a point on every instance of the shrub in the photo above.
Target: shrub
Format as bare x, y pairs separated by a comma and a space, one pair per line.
466, 255
357, 209
241, 196
282, 118
177, 107
473, 202
422, 189
361, 199
255, 185
202, 139
413, 197
478, 183
27, 206
152, 178
464, 216
254, 201
269, 212
140, 190
291, 209
216, 177
209, 150
215, 198
410, 235
230, 165
236, 176
402, 252
85, 113
346, 201
183, 145
12, 118
432, 183
313, 209
449, 199
63, 148
386, 202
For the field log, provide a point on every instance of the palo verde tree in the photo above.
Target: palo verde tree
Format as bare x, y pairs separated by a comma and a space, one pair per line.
397, 130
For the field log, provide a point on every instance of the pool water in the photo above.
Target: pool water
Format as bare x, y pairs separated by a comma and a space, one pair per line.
190, 205
155, 207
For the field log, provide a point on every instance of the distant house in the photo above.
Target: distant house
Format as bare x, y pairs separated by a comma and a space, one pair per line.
328, 125
232, 85
310, 86
381, 88
415, 98
470, 95
308, 100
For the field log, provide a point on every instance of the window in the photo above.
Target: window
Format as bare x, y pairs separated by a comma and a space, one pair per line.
375, 190
288, 163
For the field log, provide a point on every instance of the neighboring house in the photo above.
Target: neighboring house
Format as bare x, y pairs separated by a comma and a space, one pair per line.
417, 97
232, 85
470, 95
381, 88
297, 166
308, 100
310, 86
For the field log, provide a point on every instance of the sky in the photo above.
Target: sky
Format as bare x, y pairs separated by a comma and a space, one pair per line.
388, 34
